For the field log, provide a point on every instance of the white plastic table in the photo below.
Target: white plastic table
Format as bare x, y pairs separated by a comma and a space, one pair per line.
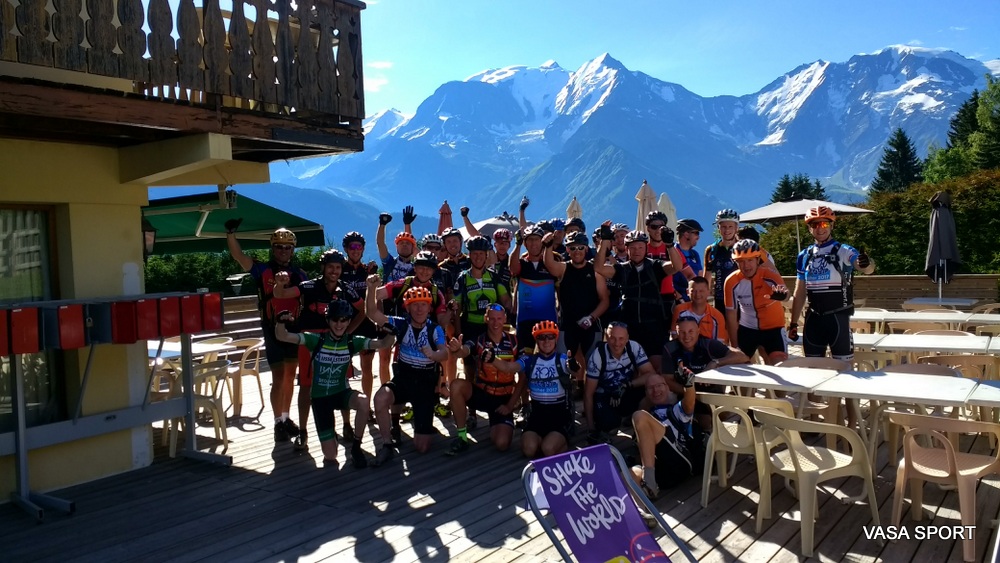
928, 342
865, 340
952, 318
172, 349
986, 394
794, 380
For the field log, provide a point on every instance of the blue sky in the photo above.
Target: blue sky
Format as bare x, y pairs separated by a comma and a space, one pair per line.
723, 47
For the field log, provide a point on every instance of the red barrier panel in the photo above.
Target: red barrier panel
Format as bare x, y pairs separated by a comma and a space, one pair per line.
147, 321
170, 316
24, 334
4, 333
72, 329
191, 321
124, 328
212, 312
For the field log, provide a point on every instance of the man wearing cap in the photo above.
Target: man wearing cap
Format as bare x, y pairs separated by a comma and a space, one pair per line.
688, 234
281, 356
825, 272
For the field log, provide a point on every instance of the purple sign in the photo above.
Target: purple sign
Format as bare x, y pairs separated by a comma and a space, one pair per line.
593, 507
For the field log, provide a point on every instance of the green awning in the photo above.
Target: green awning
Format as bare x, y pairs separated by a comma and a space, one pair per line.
194, 223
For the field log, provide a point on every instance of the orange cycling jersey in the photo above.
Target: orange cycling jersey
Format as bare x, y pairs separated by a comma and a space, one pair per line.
710, 325
753, 296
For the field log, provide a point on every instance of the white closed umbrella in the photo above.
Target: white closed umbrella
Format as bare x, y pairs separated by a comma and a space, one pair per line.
574, 210
665, 205
647, 202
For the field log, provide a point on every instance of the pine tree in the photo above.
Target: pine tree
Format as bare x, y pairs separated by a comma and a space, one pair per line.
964, 123
900, 166
985, 141
798, 186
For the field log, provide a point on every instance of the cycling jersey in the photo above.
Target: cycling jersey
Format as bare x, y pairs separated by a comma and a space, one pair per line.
355, 276
315, 297
711, 324
640, 286
395, 291
331, 364
828, 274
473, 295
544, 385
719, 261
395, 269
658, 251
488, 378
536, 293
410, 343
578, 292
693, 259
753, 297
270, 305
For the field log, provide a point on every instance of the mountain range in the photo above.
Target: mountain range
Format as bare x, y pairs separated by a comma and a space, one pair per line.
597, 132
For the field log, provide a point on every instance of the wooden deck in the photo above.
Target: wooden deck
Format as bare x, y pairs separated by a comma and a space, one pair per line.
276, 505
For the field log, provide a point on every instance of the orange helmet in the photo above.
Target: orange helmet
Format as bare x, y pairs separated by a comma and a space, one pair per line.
407, 237
545, 327
417, 295
746, 248
820, 213
283, 236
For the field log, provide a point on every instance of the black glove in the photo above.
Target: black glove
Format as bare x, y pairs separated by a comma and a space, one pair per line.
372, 268
793, 331
667, 234
524, 203
779, 294
684, 375
607, 233
863, 260
233, 224
387, 329
464, 211
573, 365
518, 237
408, 215
488, 355
283, 317
616, 396
384, 218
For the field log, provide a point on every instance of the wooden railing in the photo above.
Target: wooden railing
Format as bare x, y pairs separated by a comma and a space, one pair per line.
202, 54
889, 292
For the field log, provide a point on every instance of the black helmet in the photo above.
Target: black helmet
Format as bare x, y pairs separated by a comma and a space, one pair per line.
332, 256
597, 233
545, 226
353, 236
576, 222
636, 236
478, 243
575, 238
451, 232
689, 225
533, 231
426, 258
339, 309
748, 232
656, 215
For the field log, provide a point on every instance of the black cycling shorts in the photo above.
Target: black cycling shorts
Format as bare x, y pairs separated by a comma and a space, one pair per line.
417, 386
833, 331
750, 339
323, 409
483, 401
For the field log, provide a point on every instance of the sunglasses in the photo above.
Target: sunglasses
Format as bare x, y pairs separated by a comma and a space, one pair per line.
819, 225
656, 225
432, 247
282, 247
576, 248
543, 337
355, 246
496, 307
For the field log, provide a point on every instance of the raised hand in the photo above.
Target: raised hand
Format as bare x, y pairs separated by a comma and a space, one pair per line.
384, 218
464, 210
684, 375
667, 234
524, 203
232, 225
780, 293
408, 215
863, 260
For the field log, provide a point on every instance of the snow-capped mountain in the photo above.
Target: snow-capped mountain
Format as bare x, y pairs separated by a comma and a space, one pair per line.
597, 132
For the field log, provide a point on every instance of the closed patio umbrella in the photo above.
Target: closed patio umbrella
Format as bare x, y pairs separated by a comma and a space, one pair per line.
444, 217
574, 210
942, 248
665, 205
647, 202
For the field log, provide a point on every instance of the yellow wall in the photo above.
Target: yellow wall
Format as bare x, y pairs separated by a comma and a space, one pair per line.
99, 253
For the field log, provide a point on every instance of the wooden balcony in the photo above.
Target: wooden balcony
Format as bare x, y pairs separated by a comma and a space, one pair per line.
126, 72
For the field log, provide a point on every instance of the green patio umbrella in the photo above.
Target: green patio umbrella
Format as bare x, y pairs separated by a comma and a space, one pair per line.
194, 223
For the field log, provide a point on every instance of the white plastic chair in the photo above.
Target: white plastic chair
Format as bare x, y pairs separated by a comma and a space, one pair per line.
808, 466
247, 366
209, 380
734, 436
941, 463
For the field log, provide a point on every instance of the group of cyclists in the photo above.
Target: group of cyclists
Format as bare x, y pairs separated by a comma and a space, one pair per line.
539, 317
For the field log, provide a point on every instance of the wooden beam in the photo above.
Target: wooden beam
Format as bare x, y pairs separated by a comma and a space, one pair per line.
156, 162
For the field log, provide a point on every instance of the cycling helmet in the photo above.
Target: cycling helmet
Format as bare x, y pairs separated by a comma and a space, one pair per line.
339, 309
558, 224
416, 295
451, 232
533, 231
619, 227
545, 226
353, 236
656, 215
283, 236
576, 237
431, 238
727, 215
597, 234
636, 236
545, 327
749, 232
746, 248
820, 213
502, 234
478, 243
405, 237
576, 222
688, 225
426, 258
331, 256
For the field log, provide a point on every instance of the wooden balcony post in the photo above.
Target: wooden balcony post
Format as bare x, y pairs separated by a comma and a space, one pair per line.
67, 26
101, 36
33, 22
